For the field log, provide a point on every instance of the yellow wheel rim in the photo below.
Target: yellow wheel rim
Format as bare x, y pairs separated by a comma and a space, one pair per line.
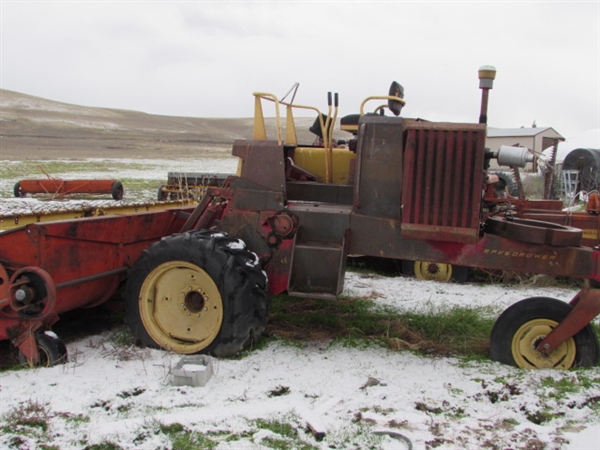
433, 271
181, 307
526, 339
44, 357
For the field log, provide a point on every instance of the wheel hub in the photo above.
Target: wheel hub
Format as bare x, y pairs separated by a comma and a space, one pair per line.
181, 307
195, 301
433, 268
526, 354
432, 271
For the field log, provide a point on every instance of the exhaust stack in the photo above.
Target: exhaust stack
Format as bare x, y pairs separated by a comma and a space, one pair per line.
487, 74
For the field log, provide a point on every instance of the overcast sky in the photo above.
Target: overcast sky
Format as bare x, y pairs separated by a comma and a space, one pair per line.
204, 59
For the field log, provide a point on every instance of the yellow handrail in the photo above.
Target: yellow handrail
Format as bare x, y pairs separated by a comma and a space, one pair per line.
380, 97
260, 131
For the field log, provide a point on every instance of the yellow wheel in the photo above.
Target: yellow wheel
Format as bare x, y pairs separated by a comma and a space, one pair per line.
522, 326
197, 292
433, 271
181, 307
526, 354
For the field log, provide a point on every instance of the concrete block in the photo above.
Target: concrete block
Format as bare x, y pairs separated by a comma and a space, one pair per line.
193, 370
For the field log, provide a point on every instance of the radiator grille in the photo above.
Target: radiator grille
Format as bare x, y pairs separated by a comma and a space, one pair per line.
442, 181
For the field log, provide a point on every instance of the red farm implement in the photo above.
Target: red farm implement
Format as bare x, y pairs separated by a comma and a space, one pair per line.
200, 280
59, 188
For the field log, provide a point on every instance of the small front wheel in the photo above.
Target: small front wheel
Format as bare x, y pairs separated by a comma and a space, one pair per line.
51, 349
525, 324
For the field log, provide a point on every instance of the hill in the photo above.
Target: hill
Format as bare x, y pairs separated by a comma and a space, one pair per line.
37, 128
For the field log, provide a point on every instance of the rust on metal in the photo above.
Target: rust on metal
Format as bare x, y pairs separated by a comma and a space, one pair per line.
586, 306
442, 181
51, 268
534, 231
59, 187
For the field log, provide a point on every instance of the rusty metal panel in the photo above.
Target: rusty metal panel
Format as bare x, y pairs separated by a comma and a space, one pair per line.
319, 255
589, 224
379, 171
262, 163
85, 259
317, 270
442, 181
321, 222
377, 236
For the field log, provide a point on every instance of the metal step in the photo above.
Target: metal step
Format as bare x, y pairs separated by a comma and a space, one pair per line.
317, 270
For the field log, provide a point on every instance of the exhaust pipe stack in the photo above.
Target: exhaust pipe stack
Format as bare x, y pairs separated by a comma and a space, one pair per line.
487, 74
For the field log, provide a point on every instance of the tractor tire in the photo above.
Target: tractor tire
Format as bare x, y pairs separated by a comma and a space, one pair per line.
197, 292
51, 348
117, 190
429, 271
524, 324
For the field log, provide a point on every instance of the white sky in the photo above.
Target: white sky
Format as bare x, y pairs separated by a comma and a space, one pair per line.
204, 59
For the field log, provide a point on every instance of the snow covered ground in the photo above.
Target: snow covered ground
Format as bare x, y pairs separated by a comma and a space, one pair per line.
118, 169
109, 394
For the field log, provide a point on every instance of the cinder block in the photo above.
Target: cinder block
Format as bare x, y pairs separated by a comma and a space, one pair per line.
193, 370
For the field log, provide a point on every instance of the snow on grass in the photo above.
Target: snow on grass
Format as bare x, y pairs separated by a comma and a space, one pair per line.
125, 395
141, 179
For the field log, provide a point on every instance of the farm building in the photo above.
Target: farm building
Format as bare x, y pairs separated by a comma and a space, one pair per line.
536, 139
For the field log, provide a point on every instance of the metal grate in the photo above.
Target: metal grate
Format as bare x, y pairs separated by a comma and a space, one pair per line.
442, 181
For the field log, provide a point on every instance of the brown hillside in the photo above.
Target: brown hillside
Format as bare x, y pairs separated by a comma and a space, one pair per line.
36, 128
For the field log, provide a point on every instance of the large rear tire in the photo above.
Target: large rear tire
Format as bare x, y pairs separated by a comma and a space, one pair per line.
523, 325
197, 292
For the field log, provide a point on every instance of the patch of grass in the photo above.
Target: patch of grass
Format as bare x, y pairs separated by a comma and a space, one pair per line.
105, 445
287, 436
184, 439
357, 322
596, 327
561, 387
462, 331
542, 416
30, 418
358, 435
121, 337
278, 427
75, 418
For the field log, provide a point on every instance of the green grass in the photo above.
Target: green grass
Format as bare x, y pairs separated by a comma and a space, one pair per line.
286, 434
358, 322
121, 337
31, 417
184, 439
105, 445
